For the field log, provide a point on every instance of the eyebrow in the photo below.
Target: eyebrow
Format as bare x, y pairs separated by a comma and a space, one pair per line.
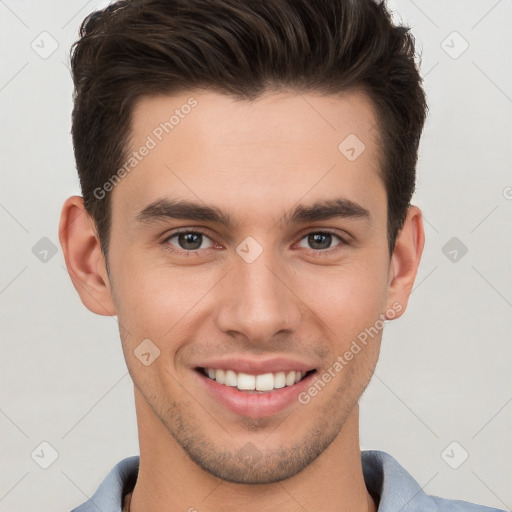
188, 210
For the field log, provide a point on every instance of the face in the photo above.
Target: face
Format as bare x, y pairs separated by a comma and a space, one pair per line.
277, 264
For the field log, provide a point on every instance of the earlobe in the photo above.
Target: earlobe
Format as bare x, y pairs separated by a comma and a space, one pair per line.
406, 259
84, 259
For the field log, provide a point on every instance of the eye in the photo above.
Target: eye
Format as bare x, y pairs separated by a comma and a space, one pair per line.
187, 242
320, 241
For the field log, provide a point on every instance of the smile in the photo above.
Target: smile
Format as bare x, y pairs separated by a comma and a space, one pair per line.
247, 382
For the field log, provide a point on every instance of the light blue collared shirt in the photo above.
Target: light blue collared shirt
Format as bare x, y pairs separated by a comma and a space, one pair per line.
386, 480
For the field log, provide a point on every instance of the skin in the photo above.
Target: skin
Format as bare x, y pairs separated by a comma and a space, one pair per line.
256, 160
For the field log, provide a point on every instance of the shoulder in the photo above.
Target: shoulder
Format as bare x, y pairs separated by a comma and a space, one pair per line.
447, 505
110, 494
396, 489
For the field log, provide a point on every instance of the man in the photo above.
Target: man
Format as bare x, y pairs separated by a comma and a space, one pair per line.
247, 170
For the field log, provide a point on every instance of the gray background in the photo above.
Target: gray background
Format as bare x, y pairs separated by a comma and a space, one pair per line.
444, 372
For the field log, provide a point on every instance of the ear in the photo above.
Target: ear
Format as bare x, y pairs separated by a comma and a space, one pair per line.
405, 260
84, 259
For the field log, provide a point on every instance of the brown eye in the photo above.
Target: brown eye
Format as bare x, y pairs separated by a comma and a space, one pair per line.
321, 241
188, 241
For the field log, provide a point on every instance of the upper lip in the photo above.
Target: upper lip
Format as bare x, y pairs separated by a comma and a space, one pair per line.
257, 366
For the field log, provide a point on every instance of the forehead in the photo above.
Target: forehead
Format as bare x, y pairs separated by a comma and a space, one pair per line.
251, 155
283, 117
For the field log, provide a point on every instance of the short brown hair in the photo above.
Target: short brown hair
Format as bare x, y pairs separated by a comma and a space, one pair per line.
136, 48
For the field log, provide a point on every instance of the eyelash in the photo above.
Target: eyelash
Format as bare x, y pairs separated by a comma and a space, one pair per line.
320, 252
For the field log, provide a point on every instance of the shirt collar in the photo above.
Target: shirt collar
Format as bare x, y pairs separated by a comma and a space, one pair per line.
393, 488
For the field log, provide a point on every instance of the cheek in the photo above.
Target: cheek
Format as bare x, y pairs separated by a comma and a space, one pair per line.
153, 300
348, 298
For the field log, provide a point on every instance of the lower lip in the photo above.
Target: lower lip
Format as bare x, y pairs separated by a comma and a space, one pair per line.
255, 405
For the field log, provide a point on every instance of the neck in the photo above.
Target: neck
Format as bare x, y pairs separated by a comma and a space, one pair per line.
168, 480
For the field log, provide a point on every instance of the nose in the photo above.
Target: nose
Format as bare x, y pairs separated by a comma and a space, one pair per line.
257, 300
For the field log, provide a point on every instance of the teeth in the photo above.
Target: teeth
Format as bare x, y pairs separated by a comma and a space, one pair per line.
247, 382
219, 376
290, 379
265, 382
230, 378
279, 380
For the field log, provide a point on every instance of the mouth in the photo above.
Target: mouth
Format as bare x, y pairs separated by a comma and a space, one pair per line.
254, 395
262, 383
